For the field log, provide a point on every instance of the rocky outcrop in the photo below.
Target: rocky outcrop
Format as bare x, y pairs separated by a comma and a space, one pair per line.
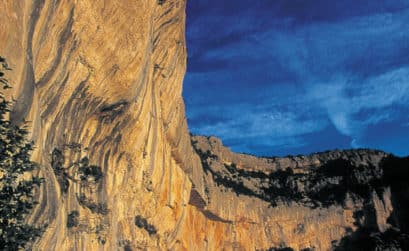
347, 200
101, 82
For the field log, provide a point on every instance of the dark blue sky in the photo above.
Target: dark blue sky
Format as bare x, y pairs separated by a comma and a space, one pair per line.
295, 76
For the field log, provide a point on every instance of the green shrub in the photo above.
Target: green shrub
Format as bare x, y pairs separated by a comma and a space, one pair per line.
143, 223
87, 171
16, 190
72, 219
98, 208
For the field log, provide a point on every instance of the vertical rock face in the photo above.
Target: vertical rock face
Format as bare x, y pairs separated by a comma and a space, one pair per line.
100, 82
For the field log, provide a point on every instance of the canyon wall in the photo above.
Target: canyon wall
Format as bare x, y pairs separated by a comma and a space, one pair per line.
342, 200
100, 85
103, 80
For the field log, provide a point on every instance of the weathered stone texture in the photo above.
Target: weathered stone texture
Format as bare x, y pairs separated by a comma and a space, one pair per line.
103, 79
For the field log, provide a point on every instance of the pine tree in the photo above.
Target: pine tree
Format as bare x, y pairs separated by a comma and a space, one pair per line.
17, 182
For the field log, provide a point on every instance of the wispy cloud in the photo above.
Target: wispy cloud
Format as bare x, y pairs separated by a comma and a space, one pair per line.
251, 126
343, 100
279, 74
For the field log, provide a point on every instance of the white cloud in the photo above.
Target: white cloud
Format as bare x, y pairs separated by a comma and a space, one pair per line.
266, 124
329, 59
344, 101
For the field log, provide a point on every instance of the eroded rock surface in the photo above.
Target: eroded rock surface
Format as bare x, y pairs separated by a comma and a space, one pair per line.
344, 200
101, 81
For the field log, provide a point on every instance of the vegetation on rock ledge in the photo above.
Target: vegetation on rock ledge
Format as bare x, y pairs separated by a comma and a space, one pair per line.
17, 182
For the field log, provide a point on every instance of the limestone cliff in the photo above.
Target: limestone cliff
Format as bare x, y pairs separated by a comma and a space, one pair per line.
103, 80
100, 82
344, 200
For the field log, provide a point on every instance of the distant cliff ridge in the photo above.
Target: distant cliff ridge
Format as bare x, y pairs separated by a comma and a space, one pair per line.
343, 200
101, 83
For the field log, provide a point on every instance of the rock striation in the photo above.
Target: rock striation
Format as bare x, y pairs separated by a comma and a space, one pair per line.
100, 83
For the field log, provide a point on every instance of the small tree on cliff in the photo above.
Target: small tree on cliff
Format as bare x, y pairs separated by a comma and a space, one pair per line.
17, 182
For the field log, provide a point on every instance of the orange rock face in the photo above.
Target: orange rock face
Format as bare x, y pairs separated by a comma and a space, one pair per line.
102, 80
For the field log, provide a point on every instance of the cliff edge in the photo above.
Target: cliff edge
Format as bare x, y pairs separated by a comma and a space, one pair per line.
101, 83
